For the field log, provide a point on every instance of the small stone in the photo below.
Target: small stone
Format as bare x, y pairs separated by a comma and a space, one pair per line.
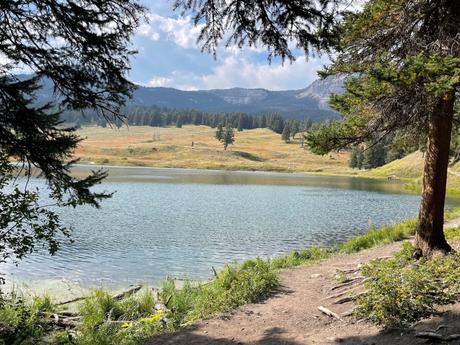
317, 275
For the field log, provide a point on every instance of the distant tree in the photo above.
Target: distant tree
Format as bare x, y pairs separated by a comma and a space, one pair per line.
356, 158
263, 122
295, 128
286, 135
228, 136
219, 132
81, 49
240, 123
179, 122
374, 155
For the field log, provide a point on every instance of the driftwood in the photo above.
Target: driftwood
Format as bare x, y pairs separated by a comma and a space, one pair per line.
63, 322
429, 335
127, 293
452, 337
72, 301
329, 313
437, 336
67, 313
119, 296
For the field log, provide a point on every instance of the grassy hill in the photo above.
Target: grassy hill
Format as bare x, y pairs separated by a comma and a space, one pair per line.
411, 169
256, 149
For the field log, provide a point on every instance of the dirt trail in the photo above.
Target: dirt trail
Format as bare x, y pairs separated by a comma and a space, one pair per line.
291, 316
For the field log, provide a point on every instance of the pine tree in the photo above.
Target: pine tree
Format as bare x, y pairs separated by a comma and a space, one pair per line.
356, 158
404, 57
240, 123
229, 137
87, 71
286, 135
219, 132
374, 155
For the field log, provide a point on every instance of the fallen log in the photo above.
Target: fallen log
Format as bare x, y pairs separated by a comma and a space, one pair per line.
77, 299
63, 322
429, 335
452, 337
119, 296
127, 293
67, 313
330, 313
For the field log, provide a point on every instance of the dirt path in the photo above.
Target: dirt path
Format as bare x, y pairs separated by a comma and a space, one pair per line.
291, 316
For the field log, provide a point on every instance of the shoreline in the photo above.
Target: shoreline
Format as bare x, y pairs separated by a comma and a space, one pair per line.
452, 220
228, 305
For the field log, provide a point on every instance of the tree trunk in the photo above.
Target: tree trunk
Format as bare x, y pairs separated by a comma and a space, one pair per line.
430, 235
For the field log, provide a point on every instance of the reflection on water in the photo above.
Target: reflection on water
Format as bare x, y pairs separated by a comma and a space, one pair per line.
182, 222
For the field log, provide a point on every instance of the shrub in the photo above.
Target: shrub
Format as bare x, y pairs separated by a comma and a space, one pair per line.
402, 291
23, 322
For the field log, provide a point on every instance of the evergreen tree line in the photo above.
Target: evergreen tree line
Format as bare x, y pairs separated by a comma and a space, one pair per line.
293, 127
377, 152
162, 117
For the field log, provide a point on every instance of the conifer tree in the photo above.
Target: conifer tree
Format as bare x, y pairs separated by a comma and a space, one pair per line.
404, 56
229, 137
80, 49
219, 132
286, 135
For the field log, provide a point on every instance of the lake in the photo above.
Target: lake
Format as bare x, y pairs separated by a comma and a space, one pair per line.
180, 222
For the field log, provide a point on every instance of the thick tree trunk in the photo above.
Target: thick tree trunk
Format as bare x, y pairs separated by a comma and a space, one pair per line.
430, 235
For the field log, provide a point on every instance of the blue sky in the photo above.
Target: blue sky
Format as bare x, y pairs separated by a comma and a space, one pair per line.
169, 56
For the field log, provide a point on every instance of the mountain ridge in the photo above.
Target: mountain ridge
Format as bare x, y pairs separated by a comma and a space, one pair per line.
310, 102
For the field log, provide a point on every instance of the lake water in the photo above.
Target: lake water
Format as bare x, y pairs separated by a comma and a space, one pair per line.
180, 222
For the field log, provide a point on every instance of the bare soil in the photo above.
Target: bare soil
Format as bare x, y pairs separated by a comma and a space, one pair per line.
291, 316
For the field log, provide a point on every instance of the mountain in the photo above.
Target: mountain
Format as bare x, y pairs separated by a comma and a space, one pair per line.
310, 102
322, 89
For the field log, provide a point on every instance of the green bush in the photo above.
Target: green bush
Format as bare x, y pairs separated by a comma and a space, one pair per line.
402, 291
25, 321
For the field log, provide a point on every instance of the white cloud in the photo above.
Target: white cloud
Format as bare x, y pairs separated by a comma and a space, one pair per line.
238, 71
179, 30
160, 81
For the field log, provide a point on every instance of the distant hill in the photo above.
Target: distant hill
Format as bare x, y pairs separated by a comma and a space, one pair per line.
310, 102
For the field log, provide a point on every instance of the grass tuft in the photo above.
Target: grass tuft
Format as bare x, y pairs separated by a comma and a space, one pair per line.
384, 235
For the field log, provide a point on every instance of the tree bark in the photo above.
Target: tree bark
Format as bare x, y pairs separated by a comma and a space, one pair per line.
430, 235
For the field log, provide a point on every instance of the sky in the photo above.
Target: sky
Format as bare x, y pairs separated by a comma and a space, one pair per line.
169, 56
